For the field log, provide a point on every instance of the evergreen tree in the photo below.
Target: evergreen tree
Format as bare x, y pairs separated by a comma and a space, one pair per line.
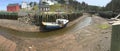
114, 5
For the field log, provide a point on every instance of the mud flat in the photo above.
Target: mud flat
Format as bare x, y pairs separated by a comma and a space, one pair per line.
19, 26
89, 38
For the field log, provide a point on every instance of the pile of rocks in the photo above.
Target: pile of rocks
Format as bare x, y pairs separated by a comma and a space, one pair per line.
27, 19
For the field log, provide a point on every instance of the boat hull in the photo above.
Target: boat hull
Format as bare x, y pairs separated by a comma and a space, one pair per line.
60, 23
50, 27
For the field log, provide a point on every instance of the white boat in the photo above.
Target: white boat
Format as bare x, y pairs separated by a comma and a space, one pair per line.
60, 23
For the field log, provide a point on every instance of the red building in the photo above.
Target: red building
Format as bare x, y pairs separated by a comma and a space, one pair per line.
13, 7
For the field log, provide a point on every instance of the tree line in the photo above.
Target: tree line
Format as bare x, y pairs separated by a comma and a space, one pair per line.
114, 6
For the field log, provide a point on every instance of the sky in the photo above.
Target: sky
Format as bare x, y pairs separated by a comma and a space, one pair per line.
96, 2
4, 3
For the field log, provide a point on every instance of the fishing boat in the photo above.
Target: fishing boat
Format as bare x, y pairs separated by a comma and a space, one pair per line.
60, 23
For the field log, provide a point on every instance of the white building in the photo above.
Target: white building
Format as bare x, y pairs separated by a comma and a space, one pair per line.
25, 5
49, 2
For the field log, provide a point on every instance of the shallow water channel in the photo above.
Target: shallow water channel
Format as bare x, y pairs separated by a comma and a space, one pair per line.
86, 21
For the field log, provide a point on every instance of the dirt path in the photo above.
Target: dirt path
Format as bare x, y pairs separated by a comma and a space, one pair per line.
89, 38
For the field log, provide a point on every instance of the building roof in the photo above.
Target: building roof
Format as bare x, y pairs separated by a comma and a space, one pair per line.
13, 4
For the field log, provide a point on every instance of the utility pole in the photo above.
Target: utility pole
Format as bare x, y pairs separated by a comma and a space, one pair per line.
67, 3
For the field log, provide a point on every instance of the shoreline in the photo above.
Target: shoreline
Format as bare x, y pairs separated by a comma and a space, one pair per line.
19, 26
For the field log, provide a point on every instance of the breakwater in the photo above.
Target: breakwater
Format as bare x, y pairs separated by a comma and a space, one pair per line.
8, 15
36, 19
53, 17
36, 22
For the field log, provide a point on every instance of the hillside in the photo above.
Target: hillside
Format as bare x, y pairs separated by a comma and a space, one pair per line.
114, 5
63, 6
